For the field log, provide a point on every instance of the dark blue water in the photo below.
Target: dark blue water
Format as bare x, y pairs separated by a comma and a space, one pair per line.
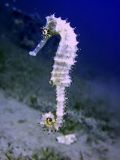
97, 23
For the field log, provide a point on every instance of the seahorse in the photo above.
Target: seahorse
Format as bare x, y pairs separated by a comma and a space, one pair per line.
63, 62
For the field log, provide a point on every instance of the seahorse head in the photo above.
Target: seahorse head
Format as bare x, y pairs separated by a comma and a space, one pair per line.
50, 29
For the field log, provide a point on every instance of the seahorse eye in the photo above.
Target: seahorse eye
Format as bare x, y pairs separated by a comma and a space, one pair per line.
45, 32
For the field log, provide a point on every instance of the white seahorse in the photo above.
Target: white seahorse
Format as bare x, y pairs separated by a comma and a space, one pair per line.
63, 61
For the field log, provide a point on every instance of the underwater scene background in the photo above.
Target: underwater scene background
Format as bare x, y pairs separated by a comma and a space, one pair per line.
93, 105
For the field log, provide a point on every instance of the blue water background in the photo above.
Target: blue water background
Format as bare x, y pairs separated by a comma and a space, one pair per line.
97, 24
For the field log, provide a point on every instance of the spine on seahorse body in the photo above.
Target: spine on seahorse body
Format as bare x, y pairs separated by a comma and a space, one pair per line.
63, 61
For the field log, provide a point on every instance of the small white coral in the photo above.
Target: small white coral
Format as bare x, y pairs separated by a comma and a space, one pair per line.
67, 139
